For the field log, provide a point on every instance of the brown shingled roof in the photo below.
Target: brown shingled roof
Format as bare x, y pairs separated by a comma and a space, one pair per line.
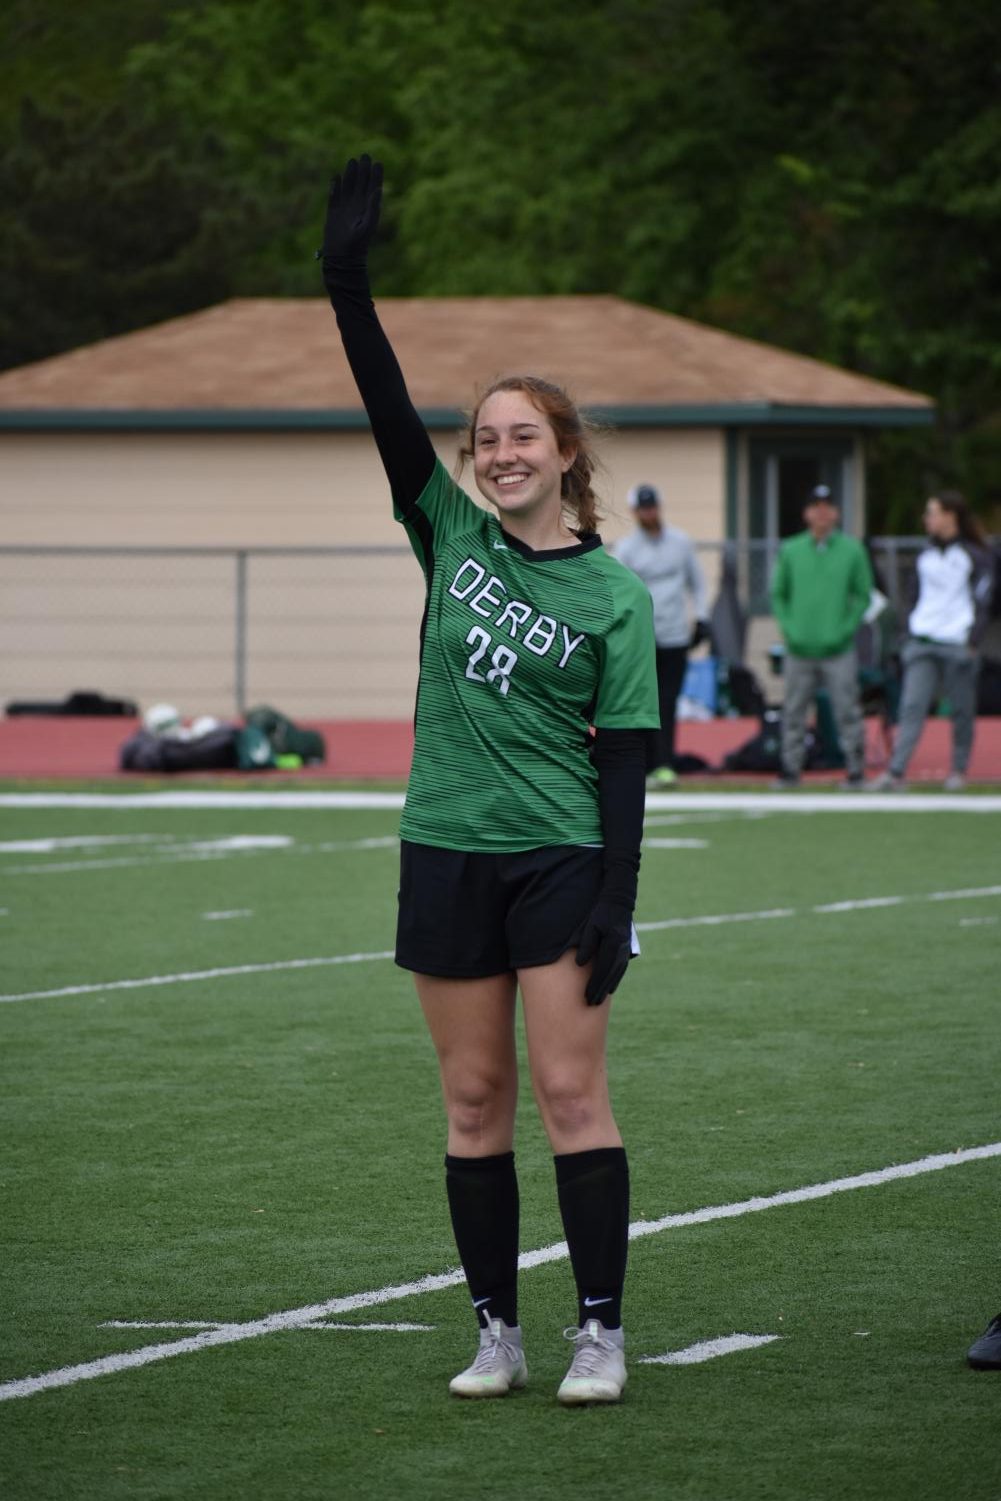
284, 354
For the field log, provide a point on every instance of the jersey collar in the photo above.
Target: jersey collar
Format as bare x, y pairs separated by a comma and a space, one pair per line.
548, 554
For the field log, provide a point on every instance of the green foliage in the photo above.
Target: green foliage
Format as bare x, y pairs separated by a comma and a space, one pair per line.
101, 230
823, 180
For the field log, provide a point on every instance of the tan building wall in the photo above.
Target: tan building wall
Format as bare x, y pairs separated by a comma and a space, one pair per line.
327, 635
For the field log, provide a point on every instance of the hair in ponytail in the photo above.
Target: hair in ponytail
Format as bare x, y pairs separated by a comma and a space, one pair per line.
573, 433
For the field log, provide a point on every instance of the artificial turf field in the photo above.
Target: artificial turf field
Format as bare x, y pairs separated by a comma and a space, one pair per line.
227, 1147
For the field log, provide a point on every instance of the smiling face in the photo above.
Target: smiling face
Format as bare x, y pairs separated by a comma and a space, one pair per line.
516, 459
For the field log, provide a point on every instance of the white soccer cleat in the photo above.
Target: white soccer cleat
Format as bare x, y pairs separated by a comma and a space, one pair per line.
499, 1366
598, 1370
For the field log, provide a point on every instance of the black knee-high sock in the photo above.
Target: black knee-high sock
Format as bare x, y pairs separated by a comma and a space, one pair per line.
593, 1190
483, 1202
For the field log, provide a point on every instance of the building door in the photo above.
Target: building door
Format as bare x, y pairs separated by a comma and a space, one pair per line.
782, 472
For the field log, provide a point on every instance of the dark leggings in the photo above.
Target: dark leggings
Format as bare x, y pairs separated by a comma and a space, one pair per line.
671, 663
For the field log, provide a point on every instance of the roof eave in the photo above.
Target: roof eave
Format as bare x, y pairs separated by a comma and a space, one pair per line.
332, 419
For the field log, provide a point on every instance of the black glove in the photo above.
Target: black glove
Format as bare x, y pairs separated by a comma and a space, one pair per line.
352, 218
607, 935
607, 939
700, 633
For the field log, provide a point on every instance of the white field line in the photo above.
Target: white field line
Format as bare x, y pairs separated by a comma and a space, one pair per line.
160, 1324
664, 820
250, 798
710, 920
194, 975
201, 1324
960, 896
656, 802
123, 862
378, 1328
174, 853
224, 916
709, 1349
675, 844
826, 802
299, 1318
78, 841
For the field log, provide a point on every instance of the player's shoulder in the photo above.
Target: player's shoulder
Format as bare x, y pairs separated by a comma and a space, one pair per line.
443, 493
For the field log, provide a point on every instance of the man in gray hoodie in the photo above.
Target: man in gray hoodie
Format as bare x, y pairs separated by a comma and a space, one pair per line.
664, 558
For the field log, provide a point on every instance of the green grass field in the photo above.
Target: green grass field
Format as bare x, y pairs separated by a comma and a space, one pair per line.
221, 1148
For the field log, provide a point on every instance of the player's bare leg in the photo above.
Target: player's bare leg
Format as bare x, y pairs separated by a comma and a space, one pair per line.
472, 1027
566, 1054
566, 1050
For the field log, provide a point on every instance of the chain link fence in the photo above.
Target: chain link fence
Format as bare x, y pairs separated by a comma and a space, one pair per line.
319, 632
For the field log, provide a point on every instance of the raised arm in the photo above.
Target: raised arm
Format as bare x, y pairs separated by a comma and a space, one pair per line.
401, 438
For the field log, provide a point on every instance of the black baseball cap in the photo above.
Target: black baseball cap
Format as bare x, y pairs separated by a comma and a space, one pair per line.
821, 493
643, 497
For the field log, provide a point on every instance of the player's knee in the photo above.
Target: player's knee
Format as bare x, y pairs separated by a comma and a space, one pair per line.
570, 1102
475, 1103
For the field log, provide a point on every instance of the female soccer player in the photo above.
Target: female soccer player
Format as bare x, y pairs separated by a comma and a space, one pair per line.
520, 841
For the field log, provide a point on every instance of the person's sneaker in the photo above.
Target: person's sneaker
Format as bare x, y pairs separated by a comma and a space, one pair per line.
662, 778
985, 1353
853, 782
785, 782
887, 781
499, 1366
598, 1370
954, 782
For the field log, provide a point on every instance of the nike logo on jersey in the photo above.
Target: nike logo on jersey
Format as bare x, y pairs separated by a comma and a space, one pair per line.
500, 547
593, 1302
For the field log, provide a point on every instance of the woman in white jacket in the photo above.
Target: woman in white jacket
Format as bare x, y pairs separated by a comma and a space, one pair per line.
940, 656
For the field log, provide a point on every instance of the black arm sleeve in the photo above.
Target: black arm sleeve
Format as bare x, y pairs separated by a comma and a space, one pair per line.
620, 759
400, 436
981, 590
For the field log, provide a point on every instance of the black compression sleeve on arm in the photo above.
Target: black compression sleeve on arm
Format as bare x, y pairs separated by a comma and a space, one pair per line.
620, 759
400, 436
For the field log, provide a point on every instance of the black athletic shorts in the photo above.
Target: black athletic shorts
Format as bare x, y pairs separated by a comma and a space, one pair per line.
465, 916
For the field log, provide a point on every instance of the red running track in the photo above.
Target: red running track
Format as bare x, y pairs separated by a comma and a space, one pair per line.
56, 747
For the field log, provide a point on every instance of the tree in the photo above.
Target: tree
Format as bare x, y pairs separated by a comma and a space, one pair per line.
822, 181
102, 230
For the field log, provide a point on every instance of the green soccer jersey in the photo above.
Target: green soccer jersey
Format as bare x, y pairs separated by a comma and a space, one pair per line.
520, 651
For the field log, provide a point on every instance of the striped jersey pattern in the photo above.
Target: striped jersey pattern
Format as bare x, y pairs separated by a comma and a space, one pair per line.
520, 652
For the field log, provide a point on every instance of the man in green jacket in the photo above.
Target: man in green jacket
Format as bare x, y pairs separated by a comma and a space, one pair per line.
820, 592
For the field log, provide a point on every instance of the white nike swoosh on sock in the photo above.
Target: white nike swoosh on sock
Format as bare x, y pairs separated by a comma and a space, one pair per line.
479, 1302
593, 1302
